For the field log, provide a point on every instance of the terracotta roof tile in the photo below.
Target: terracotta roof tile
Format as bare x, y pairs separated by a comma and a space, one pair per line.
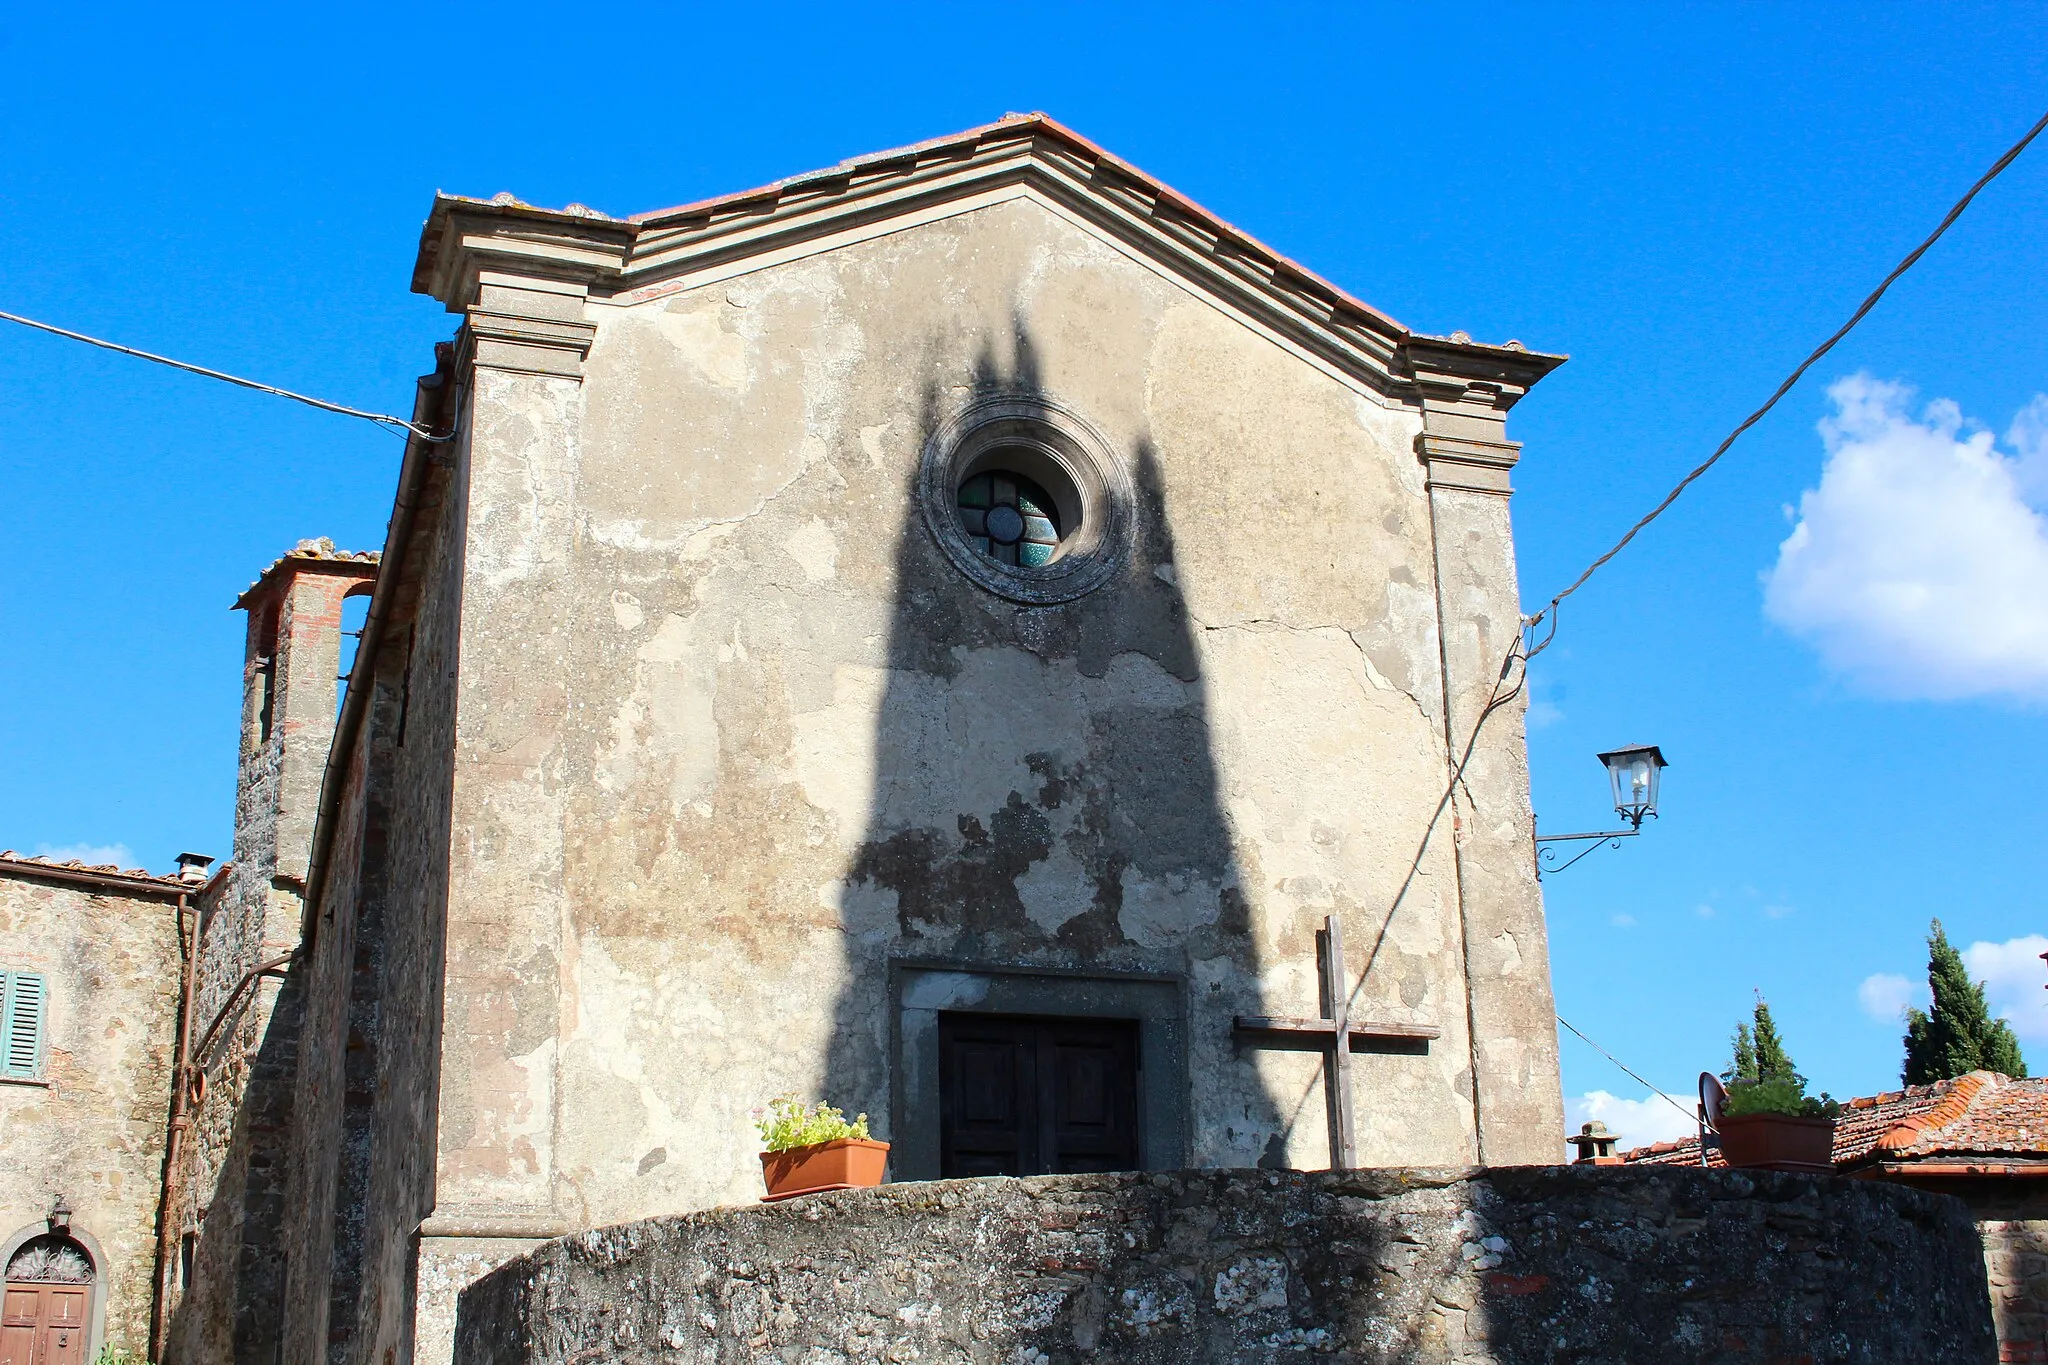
321, 551
8, 855
1982, 1112
1684, 1153
2004, 1116
851, 173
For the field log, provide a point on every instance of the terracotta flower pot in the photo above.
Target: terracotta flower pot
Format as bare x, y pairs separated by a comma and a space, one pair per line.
1778, 1142
842, 1164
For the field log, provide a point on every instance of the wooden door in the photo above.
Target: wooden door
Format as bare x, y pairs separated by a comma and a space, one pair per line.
1036, 1096
44, 1324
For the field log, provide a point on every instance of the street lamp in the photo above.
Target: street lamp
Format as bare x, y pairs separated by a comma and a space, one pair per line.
1634, 774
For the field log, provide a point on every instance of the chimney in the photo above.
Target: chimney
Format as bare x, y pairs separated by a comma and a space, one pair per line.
1595, 1145
192, 867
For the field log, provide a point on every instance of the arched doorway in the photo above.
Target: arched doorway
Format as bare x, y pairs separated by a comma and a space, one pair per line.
48, 1309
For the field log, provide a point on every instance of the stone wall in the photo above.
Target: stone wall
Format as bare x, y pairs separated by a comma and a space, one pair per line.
92, 1128
2012, 1218
1513, 1265
231, 1181
2016, 1265
2010, 1204
364, 1118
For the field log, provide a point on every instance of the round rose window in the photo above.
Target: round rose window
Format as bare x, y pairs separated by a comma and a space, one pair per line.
1010, 519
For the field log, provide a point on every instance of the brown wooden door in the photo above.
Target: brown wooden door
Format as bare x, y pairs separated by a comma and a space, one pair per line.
1035, 1096
44, 1324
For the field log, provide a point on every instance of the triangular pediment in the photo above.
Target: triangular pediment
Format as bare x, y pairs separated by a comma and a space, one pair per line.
1028, 156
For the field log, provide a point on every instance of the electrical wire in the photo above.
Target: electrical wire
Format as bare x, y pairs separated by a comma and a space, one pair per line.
1912, 257
380, 418
1631, 1075
1526, 647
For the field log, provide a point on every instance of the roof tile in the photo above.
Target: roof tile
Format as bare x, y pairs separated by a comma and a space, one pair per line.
1981, 1113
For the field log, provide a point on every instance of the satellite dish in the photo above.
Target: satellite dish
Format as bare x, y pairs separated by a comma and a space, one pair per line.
1712, 1098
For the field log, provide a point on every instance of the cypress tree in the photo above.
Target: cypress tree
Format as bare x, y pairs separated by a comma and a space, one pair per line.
1773, 1063
1959, 1035
1763, 1079
1745, 1058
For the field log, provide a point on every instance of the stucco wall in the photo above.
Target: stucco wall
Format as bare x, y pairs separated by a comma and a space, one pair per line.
733, 733
1532, 1265
94, 1132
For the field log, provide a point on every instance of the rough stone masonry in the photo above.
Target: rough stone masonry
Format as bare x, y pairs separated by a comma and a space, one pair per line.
1571, 1264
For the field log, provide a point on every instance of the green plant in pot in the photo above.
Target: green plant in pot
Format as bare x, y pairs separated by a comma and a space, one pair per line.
1767, 1119
808, 1148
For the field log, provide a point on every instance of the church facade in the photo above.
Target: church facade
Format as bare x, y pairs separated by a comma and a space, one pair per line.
940, 635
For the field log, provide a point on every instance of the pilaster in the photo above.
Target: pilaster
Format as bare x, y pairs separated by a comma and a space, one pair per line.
520, 360
1466, 391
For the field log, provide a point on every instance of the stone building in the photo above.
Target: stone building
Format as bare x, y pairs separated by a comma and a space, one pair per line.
939, 635
91, 965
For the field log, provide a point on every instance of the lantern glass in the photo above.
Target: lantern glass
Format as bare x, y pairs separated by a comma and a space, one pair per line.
1634, 774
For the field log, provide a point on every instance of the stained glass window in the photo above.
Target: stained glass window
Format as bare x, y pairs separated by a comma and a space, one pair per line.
1010, 519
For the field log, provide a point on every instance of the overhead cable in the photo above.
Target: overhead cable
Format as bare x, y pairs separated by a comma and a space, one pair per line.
1631, 1075
1912, 257
1526, 647
380, 418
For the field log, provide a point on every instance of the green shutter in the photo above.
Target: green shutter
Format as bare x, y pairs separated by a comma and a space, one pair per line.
21, 1032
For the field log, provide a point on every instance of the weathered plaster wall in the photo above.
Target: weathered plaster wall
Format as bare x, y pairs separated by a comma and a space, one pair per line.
1506, 946
732, 733
93, 1131
1559, 1264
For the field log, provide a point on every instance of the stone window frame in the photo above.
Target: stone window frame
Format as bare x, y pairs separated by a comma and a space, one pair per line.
919, 988
1049, 443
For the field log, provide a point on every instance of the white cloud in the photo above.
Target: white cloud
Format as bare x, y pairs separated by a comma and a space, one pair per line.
1638, 1122
1623, 921
1542, 715
2015, 980
93, 855
1919, 567
1885, 996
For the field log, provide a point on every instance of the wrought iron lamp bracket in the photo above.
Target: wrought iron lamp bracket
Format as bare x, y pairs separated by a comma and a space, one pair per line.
1547, 857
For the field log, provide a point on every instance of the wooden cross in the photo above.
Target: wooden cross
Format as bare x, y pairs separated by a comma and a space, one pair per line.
1324, 1035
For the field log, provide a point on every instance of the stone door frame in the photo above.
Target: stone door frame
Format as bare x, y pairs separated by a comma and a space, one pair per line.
96, 1291
920, 988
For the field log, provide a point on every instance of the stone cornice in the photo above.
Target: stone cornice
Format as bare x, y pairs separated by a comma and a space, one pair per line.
464, 239
1033, 156
1465, 390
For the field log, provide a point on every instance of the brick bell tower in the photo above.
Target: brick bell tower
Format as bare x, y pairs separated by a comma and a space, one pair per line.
232, 1183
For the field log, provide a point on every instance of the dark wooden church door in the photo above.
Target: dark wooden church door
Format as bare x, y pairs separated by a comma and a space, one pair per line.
1033, 1096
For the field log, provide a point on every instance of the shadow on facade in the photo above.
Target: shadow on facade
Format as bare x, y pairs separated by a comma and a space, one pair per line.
1106, 869
238, 1271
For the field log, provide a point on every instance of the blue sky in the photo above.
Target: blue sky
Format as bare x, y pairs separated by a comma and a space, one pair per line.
1684, 199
